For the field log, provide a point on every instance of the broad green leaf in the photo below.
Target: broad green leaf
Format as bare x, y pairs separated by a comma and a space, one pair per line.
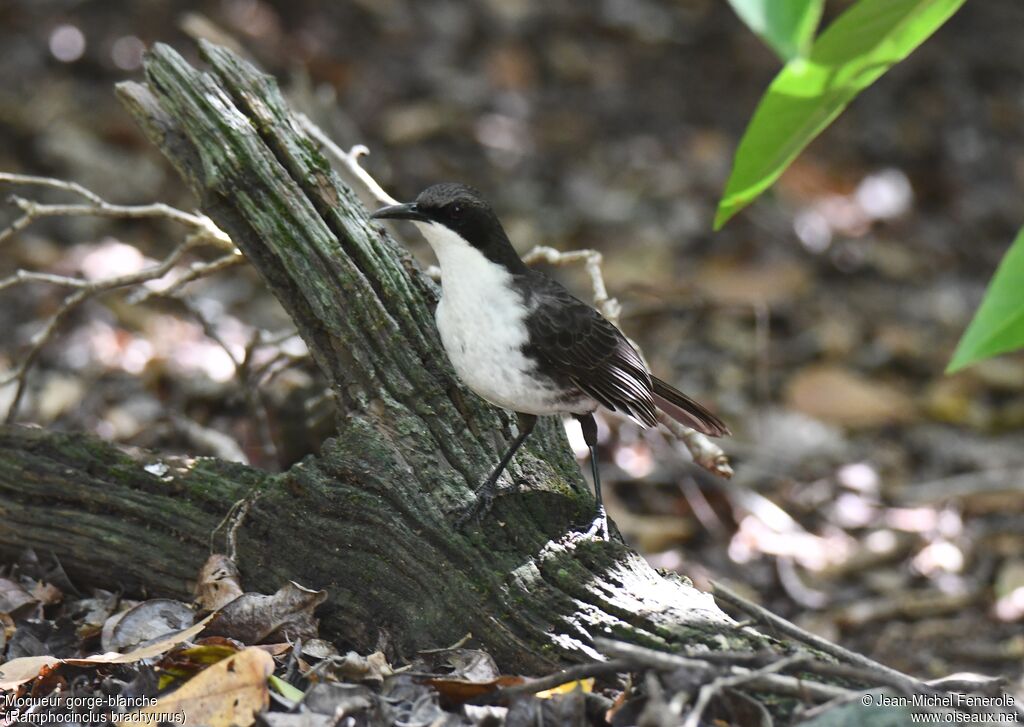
861, 45
998, 325
786, 25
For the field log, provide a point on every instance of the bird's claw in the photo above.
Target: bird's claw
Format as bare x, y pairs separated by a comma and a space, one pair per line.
475, 512
598, 529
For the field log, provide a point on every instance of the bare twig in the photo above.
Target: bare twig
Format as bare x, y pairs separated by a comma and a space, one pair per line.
651, 658
52, 183
236, 524
788, 686
29, 276
71, 302
861, 668
244, 374
233, 520
592, 261
348, 159
708, 691
202, 225
223, 522
766, 617
203, 231
194, 271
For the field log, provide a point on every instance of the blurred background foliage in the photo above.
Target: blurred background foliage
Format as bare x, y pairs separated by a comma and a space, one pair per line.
876, 501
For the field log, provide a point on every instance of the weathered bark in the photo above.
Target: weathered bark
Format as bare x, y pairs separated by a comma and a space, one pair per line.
370, 519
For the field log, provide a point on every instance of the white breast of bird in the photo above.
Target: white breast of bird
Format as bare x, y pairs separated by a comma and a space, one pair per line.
482, 321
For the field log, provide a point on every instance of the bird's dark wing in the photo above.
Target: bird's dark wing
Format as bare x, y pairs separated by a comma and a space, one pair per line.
574, 341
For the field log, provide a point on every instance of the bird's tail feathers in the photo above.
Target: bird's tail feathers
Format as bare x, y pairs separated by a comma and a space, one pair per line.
686, 411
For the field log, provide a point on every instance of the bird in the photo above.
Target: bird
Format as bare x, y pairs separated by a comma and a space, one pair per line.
521, 341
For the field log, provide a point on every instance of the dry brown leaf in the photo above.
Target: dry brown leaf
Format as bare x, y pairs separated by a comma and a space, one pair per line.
319, 649
13, 597
47, 593
356, 668
152, 619
231, 692
275, 649
219, 583
458, 691
285, 616
145, 652
18, 671
471, 665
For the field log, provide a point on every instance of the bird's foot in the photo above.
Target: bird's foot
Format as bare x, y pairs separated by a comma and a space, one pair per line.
483, 501
475, 512
598, 529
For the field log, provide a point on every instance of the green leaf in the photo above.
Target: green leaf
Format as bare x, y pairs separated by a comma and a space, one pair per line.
861, 45
786, 25
998, 325
285, 689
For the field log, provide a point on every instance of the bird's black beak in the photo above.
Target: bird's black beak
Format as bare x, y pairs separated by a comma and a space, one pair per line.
400, 212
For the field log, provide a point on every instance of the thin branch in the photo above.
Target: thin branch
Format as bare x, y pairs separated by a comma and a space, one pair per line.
70, 303
72, 187
788, 686
194, 271
348, 159
651, 658
708, 691
30, 276
243, 373
203, 231
236, 524
766, 617
592, 261
861, 668
101, 208
202, 225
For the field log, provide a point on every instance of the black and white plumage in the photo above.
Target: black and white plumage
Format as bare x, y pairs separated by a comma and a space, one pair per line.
590, 354
523, 342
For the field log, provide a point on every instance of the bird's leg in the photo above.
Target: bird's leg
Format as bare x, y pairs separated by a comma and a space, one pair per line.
599, 528
485, 493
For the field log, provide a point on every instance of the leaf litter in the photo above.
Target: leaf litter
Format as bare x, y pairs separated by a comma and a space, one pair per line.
237, 658
240, 658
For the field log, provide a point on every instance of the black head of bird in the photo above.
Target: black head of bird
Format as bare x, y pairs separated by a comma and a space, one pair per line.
462, 210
